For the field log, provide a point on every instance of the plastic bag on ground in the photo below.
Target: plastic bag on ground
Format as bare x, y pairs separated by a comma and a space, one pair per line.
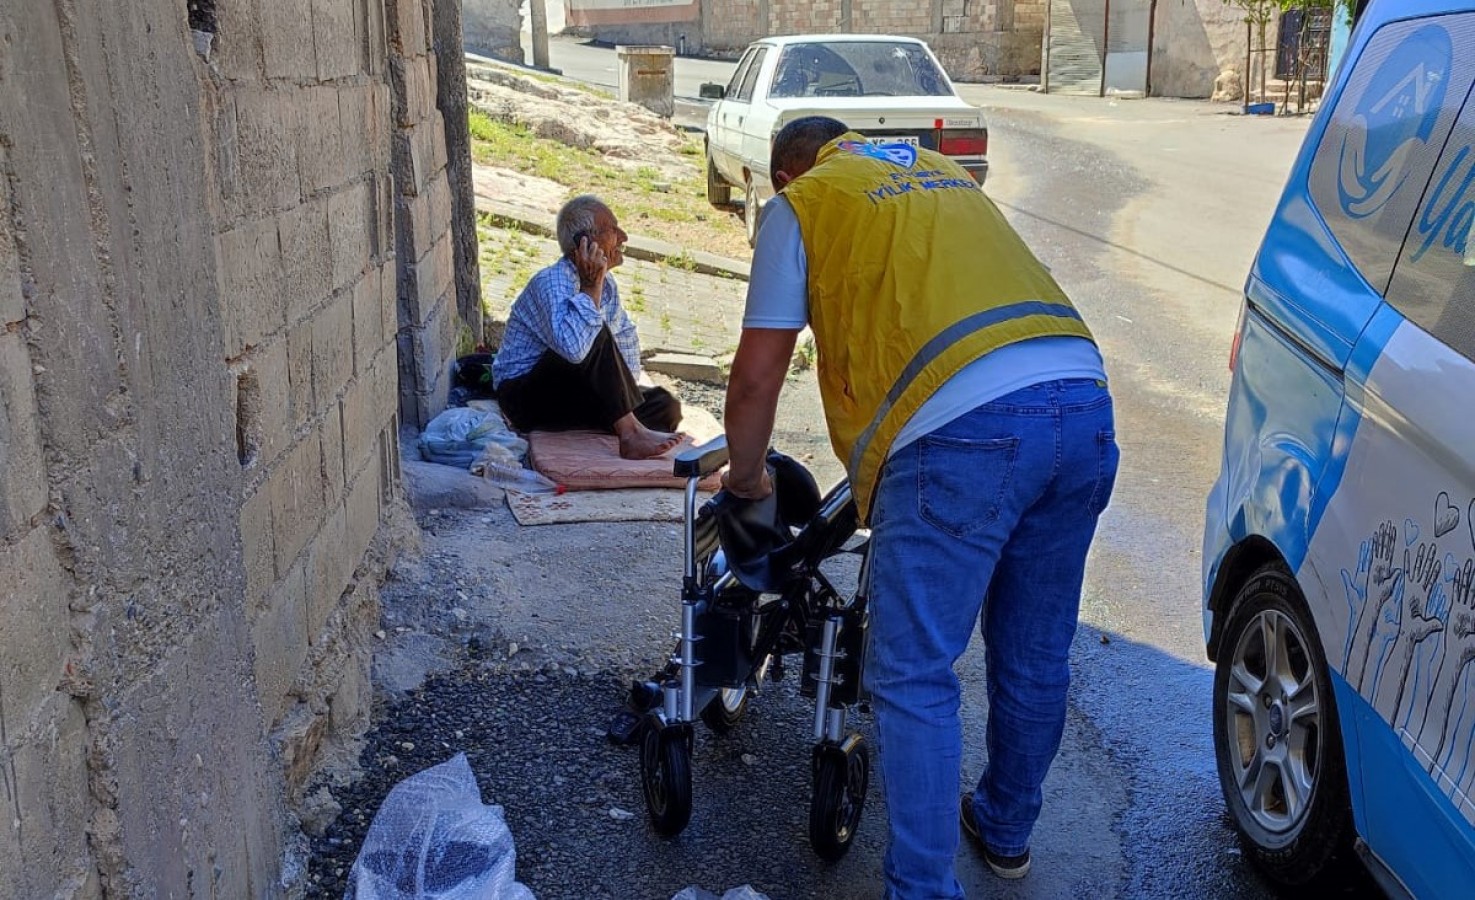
433, 839
745, 892
458, 435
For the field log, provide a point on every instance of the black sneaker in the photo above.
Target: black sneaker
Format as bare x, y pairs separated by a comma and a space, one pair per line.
1010, 867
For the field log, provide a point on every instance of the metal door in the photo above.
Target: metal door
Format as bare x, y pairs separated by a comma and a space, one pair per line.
1075, 45
1128, 36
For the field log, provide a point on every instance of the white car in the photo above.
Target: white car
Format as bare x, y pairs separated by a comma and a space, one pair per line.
890, 89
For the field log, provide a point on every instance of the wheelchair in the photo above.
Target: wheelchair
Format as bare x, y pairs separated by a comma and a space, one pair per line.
734, 635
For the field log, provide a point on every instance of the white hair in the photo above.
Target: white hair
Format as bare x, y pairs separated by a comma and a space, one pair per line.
577, 215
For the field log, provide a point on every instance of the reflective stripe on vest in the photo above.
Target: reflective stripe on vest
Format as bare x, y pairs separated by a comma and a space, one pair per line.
913, 275
935, 347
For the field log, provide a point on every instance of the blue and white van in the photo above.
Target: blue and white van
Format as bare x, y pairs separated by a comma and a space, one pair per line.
1339, 548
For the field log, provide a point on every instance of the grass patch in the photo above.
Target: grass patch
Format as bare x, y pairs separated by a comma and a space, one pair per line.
651, 201
683, 261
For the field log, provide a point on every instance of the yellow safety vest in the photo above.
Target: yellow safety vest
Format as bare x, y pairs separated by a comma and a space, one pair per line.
913, 274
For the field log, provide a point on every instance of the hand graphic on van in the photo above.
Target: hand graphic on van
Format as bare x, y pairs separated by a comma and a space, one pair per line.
1378, 583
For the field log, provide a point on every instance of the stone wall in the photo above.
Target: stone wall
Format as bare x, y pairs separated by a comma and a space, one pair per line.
1194, 42
201, 310
430, 326
976, 40
734, 24
492, 27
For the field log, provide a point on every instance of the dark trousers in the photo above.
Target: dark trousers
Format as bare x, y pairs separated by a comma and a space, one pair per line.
558, 395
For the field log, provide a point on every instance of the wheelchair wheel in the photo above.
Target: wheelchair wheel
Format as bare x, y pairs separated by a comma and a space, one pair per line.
726, 709
841, 776
665, 776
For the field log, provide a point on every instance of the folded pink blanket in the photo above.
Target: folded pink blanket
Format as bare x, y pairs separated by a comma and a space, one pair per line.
591, 461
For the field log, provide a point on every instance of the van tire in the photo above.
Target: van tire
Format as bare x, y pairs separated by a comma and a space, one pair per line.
1301, 852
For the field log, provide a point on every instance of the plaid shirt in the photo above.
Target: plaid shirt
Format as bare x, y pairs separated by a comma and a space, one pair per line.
552, 313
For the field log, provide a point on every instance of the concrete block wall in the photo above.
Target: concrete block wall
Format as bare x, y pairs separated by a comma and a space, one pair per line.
815, 17
134, 747
43, 731
735, 25
975, 40
914, 17
429, 324
202, 309
1194, 42
301, 119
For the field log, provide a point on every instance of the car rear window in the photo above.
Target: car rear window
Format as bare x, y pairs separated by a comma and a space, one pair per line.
1386, 133
1434, 284
858, 69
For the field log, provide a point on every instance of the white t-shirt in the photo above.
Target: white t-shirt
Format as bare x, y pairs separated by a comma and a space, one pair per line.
778, 297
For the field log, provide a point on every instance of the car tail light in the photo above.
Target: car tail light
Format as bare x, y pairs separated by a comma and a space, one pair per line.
1239, 336
963, 142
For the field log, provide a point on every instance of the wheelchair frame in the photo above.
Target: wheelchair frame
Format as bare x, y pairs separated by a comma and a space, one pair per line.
712, 675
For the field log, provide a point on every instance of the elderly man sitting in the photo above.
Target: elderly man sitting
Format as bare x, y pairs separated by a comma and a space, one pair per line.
570, 358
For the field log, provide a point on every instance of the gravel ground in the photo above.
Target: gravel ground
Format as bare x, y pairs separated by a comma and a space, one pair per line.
572, 799
515, 645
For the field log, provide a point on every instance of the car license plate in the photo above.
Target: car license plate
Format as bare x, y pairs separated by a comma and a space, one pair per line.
899, 139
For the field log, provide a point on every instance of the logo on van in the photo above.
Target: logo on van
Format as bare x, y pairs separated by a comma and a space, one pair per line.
1393, 120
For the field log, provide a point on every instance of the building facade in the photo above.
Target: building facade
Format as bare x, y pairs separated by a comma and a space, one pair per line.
1166, 48
976, 40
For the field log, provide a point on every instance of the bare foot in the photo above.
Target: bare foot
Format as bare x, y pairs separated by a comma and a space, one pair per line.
642, 443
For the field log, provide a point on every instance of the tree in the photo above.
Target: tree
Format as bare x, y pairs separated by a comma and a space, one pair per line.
1307, 55
1258, 16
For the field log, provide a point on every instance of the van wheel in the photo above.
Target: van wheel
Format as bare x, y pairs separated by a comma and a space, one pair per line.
719, 192
1277, 740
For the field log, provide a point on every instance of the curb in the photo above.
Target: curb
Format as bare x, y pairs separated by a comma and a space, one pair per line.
636, 247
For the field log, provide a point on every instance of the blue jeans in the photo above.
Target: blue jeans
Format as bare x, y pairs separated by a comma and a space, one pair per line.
987, 519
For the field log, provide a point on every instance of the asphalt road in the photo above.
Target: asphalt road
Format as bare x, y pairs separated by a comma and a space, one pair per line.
1148, 213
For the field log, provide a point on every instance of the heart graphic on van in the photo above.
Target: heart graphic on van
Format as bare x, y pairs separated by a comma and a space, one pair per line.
1470, 520
1446, 515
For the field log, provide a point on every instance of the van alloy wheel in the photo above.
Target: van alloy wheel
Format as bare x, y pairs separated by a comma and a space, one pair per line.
1277, 740
1275, 721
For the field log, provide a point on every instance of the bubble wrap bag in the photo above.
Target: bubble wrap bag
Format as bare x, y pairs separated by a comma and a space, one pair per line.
745, 892
433, 839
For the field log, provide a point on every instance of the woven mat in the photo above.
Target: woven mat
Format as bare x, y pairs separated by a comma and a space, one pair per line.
619, 505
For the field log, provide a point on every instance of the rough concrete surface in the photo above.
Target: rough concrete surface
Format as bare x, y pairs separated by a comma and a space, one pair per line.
624, 133
198, 322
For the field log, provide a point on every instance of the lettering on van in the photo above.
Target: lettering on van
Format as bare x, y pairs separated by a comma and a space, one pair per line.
1450, 210
1392, 120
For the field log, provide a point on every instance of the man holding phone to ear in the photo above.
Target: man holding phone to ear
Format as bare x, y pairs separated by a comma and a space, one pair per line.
570, 358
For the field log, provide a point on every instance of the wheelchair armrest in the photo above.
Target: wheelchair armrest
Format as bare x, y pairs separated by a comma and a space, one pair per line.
703, 460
